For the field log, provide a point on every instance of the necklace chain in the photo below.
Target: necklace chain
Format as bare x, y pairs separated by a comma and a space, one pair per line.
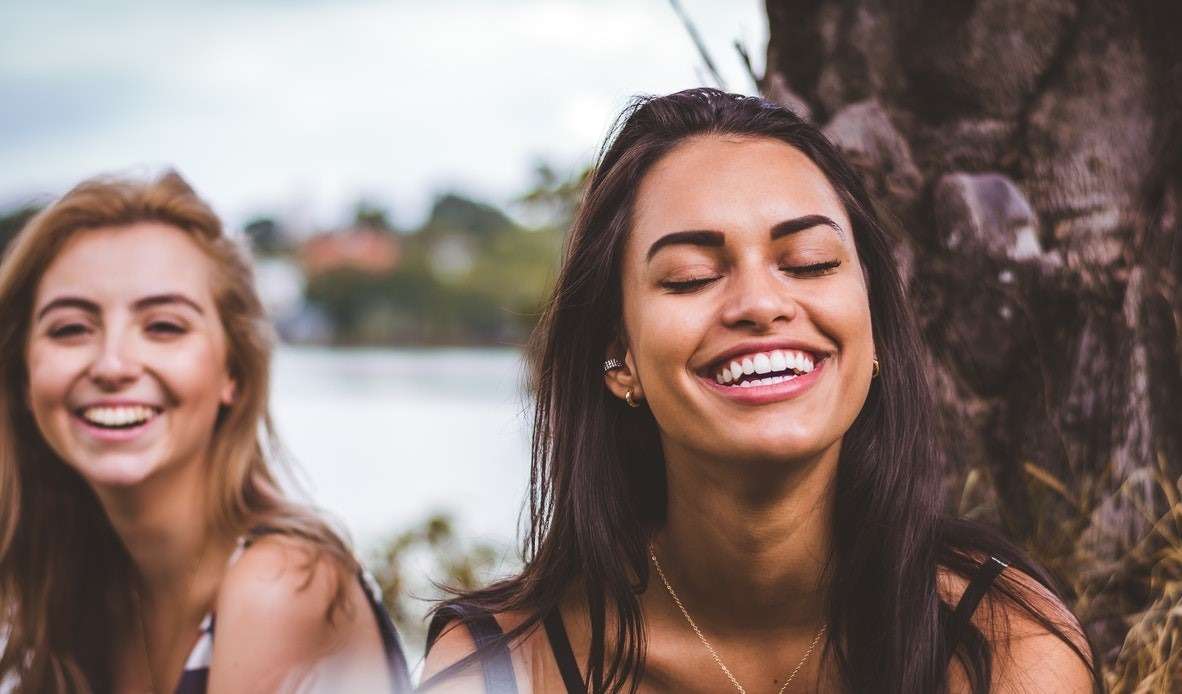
713, 653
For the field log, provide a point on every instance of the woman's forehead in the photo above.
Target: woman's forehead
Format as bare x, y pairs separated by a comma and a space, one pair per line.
731, 183
126, 261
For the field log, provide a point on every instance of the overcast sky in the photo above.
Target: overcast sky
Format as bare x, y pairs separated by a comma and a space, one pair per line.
301, 108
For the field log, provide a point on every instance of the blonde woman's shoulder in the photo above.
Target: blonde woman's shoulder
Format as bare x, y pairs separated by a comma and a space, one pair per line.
289, 616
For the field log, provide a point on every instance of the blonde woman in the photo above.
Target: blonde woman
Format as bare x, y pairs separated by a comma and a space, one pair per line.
145, 544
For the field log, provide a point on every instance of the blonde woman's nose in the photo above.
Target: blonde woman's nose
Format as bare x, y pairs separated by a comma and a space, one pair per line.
115, 362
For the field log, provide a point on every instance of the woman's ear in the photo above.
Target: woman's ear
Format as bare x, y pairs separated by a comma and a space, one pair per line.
229, 390
620, 374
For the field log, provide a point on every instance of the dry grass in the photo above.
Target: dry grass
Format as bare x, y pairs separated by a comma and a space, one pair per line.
1130, 604
1150, 657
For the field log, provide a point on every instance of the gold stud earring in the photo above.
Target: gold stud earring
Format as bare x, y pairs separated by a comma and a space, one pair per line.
628, 399
874, 369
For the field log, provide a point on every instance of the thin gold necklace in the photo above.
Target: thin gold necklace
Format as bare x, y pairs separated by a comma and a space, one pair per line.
713, 653
139, 604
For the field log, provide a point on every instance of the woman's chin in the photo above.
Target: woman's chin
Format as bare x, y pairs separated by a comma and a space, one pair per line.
771, 450
117, 472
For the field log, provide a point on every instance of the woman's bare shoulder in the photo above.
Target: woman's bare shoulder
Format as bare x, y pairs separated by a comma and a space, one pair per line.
529, 653
1027, 655
282, 607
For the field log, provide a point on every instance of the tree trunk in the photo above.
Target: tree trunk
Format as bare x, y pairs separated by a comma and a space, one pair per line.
1031, 151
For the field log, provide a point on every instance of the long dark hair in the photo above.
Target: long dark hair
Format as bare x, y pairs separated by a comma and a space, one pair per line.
598, 479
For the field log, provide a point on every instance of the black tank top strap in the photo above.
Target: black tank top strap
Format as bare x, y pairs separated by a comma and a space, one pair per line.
978, 586
495, 661
563, 654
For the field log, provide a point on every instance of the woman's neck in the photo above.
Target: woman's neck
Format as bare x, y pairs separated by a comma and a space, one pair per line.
163, 524
745, 545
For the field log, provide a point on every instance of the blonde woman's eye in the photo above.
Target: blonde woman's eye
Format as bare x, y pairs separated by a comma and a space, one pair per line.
69, 330
165, 328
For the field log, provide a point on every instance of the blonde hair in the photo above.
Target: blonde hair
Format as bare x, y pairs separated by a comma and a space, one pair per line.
64, 574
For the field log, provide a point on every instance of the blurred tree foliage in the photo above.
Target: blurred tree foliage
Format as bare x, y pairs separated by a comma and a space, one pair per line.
13, 221
469, 274
419, 564
267, 237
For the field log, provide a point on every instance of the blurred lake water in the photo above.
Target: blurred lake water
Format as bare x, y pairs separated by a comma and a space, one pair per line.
382, 438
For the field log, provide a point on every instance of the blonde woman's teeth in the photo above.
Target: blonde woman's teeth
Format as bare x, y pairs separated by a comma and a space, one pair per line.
120, 416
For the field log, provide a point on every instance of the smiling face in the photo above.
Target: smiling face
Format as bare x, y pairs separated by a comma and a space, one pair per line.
126, 354
746, 318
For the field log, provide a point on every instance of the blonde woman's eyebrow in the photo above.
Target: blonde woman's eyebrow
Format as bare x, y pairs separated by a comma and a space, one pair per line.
139, 305
166, 299
67, 302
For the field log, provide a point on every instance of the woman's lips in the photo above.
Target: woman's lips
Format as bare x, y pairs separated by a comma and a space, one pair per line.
775, 392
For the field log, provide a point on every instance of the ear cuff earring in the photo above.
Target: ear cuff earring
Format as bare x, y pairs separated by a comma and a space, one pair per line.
612, 364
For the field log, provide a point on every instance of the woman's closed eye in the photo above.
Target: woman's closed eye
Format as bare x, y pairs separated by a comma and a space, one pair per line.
811, 269
166, 328
68, 330
684, 286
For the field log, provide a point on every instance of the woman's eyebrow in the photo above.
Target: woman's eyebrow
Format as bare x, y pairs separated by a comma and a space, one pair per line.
716, 239
68, 302
697, 237
139, 305
791, 226
165, 299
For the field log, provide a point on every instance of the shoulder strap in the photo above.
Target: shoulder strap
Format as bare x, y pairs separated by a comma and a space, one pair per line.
989, 570
495, 661
395, 658
563, 654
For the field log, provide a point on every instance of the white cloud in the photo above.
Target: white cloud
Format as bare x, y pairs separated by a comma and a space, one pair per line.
307, 106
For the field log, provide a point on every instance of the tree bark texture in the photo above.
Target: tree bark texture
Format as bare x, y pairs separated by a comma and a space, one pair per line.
1031, 151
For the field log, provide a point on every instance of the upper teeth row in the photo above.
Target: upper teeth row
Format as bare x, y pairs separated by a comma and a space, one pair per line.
114, 416
765, 362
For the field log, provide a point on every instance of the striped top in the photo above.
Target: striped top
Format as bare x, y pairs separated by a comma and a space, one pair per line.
195, 677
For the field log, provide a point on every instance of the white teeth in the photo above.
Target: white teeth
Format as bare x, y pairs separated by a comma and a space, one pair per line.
775, 362
118, 416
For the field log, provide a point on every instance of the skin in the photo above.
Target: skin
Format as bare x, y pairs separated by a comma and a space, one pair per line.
127, 314
750, 485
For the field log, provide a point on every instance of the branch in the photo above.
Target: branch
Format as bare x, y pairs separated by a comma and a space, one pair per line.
697, 39
746, 58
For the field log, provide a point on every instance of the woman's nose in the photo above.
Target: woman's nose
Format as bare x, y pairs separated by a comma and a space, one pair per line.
115, 363
758, 298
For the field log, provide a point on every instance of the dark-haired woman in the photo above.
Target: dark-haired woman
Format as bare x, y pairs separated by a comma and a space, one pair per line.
735, 486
